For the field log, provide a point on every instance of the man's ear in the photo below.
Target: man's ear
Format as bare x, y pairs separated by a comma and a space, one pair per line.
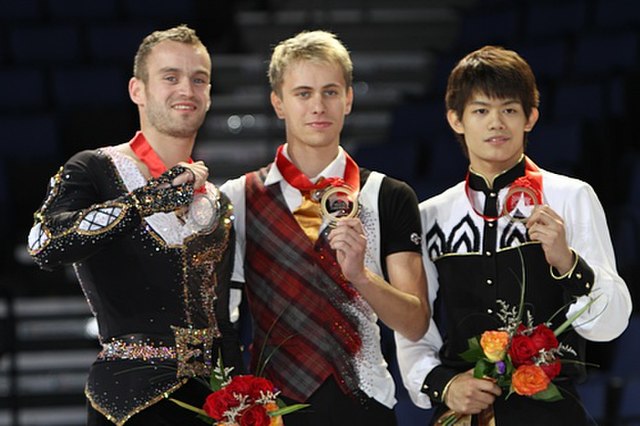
136, 91
276, 102
454, 122
533, 119
349, 102
209, 96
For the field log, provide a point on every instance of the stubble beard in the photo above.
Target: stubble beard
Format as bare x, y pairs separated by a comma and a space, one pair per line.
172, 126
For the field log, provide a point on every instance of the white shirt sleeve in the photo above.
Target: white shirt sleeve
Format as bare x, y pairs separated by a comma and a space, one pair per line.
588, 234
235, 190
417, 359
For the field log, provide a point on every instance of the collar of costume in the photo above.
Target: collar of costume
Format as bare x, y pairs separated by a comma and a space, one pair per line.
300, 181
145, 153
524, 175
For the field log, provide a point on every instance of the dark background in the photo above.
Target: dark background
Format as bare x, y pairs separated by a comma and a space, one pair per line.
64, 68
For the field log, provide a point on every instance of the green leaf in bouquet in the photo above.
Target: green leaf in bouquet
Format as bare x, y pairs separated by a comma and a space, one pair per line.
288, 409
574, 317
474, 352
550, 394
484, 368
189, 407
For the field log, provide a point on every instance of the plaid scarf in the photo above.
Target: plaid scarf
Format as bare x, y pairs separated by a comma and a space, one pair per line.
298, 298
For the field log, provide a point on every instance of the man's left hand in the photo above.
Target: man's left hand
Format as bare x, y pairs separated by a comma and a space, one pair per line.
547, 227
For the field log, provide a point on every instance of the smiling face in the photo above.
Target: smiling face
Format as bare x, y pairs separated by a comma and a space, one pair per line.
314, 100
494, 132
176, 96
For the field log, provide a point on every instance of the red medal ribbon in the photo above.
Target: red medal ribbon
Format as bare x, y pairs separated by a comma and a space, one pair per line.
532, 181
145, 153
298, 180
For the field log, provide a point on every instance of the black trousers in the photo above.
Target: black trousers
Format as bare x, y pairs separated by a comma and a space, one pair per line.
330, 407
164, 412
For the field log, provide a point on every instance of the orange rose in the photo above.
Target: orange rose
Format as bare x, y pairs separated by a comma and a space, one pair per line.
276, 420
528, 380
494, 344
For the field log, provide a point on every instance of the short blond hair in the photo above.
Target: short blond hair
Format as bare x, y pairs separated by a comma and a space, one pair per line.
320, 46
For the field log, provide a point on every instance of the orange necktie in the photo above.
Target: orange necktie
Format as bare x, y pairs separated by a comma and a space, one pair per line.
309, 216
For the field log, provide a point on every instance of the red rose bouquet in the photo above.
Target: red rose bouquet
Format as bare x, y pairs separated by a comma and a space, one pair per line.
241, 400
520, 357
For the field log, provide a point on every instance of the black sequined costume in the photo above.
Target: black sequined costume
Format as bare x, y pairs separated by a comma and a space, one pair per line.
156, 281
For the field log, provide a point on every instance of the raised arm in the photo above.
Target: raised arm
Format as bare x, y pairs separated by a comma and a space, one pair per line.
79, 216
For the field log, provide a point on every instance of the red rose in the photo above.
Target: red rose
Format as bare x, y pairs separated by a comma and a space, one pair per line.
552, 369
256, 415
250, 386
522, 350
543, 338
260, 385
240, 385
218, 402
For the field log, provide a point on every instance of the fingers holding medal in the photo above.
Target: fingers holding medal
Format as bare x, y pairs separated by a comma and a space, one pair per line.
520, 203
338, 203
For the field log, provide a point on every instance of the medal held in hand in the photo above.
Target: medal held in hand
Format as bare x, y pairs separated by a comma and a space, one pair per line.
204, 211
520, 201
339, 202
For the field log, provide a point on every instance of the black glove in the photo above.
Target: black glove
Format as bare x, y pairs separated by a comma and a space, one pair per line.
160, 196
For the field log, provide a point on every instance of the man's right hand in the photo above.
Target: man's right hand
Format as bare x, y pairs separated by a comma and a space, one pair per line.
468, 395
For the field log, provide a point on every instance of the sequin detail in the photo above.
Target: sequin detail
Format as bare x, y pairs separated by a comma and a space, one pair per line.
101, 219
193, 347
192, 350
121, 349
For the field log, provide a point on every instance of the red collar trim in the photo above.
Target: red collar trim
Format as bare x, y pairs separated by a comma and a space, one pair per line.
300, 181
145, 153
531, 182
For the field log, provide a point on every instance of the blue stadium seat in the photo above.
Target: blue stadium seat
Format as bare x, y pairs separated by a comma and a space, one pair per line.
551, 19
116, 42
492, 27
626, 236
29, 136
417, 122
43, 44
22, 88
629, 406
4, 191
556, 146
161, 9
23, 10
625, 366
74, 9
616, 14
593, 394
598, 54
617, 100
77, 86
398, 160
547, 59
447, 162
579, 100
